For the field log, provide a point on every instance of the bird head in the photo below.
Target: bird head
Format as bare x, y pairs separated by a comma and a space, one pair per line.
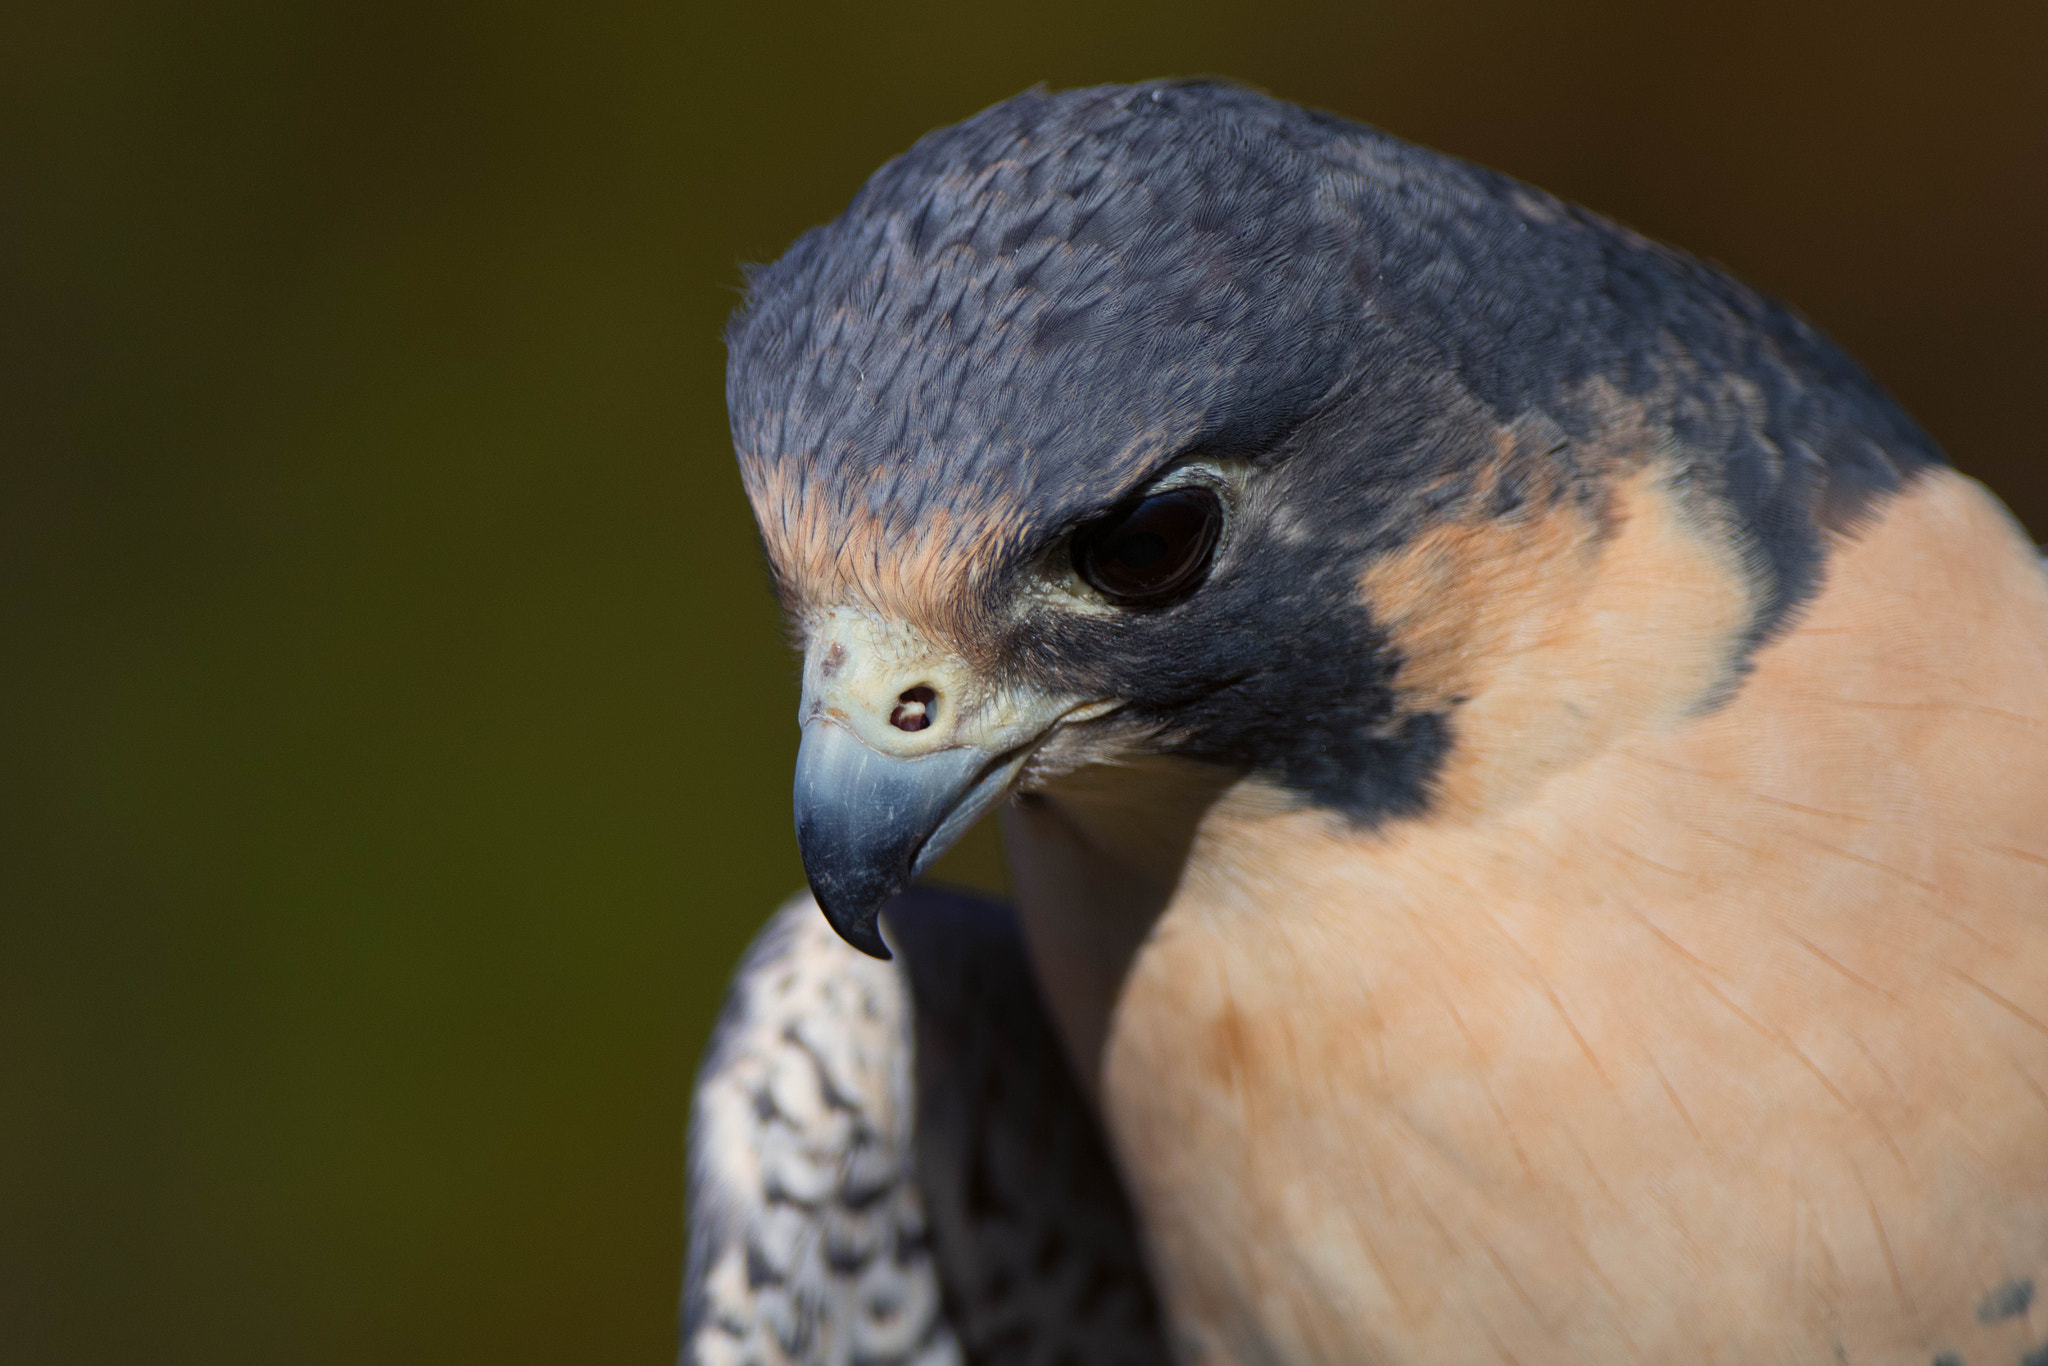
1177, 422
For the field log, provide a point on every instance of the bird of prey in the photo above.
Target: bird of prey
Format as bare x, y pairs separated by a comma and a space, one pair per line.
1525, 775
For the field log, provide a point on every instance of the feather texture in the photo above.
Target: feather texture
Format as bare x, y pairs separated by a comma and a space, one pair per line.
891, 1163
807, 1232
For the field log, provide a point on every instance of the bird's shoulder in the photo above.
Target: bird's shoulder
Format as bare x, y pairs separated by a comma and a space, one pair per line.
807, 1237
891, 1162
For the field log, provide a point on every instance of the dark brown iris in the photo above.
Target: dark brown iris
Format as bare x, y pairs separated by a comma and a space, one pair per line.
1154, 550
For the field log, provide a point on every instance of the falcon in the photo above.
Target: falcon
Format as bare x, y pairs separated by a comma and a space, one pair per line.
1523, 770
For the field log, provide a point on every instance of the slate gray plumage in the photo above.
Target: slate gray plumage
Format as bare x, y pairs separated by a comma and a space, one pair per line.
1024, 311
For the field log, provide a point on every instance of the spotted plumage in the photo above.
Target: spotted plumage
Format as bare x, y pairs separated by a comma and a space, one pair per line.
1525, 772
808, 1238
892, 1166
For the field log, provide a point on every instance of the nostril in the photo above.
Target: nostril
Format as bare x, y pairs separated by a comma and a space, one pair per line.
916, 708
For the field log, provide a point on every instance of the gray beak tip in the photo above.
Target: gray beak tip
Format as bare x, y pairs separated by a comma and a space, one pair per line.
864, 932
866, 822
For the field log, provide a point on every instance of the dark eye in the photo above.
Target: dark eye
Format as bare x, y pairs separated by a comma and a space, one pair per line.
1153, 551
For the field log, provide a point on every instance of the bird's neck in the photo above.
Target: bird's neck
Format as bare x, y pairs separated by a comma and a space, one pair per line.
1556, 636
1601, 683
1094, 865
1231, 965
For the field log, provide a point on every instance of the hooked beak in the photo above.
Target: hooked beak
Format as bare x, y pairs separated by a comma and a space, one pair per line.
868, 822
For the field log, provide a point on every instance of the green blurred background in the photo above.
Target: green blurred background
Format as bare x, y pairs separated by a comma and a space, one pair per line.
394, 724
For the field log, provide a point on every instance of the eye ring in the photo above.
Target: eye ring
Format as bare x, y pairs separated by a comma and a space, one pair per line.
1153, 551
